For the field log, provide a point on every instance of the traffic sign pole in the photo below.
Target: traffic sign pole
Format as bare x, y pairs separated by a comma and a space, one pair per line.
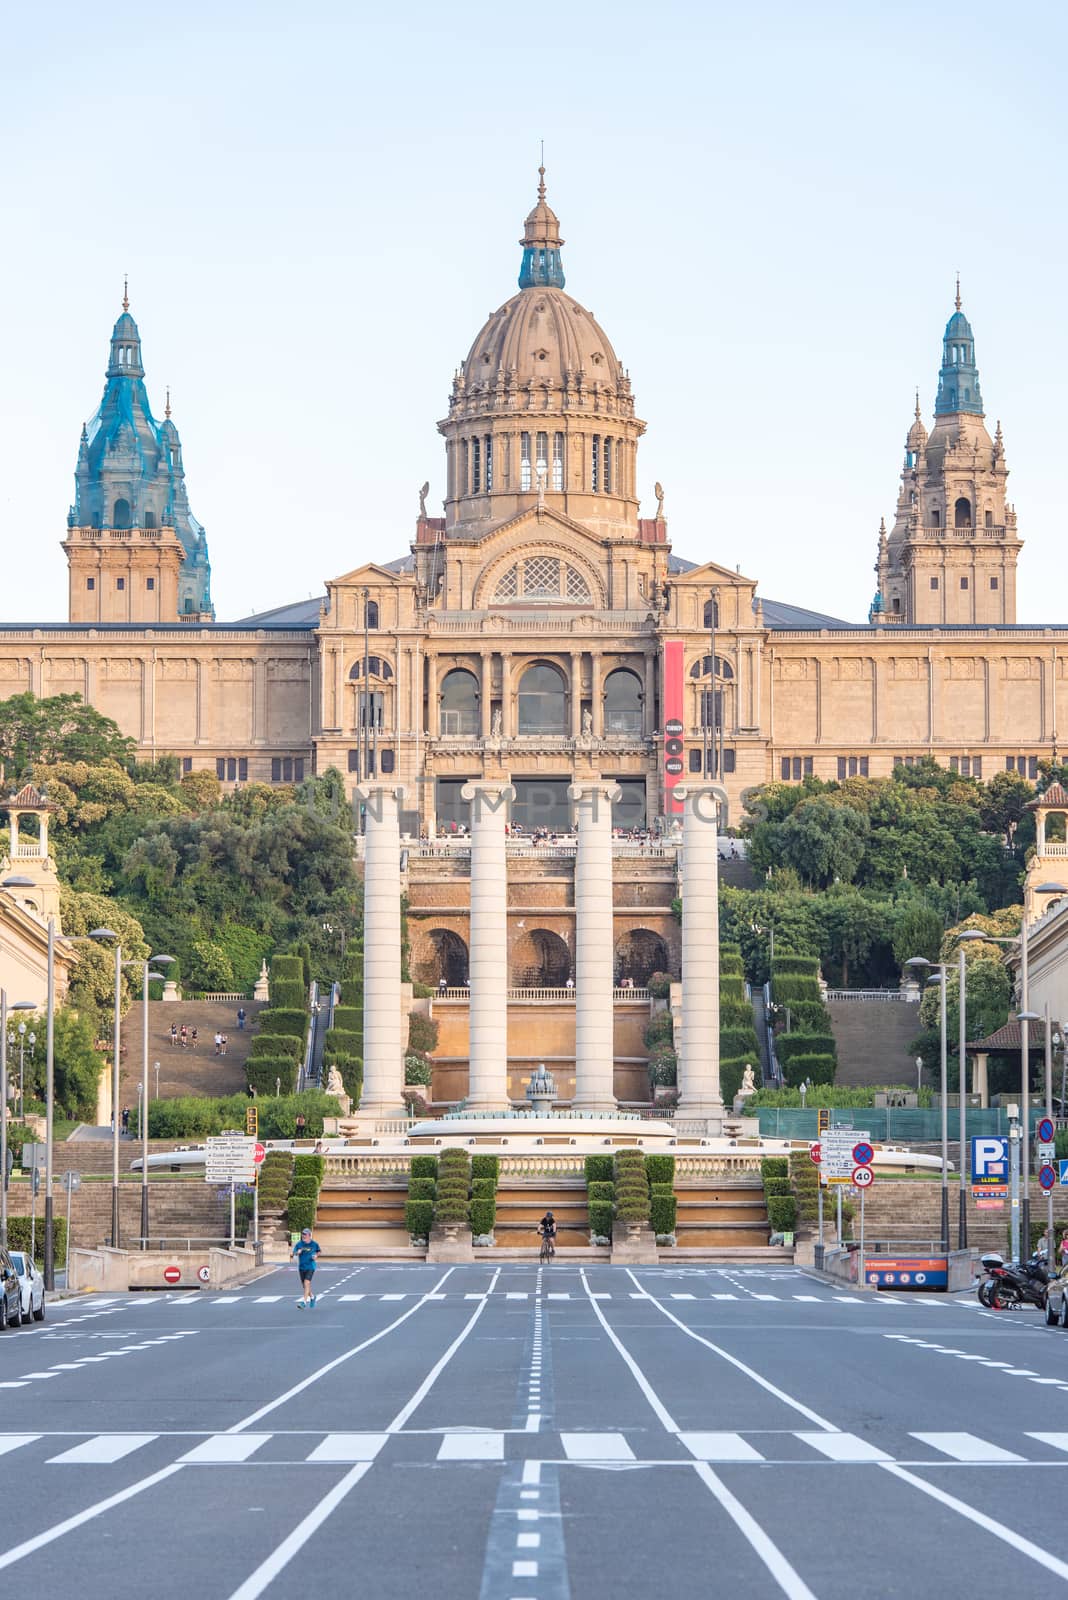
1048, 1135
861, 1274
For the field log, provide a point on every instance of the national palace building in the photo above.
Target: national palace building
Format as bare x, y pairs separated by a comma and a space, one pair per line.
542, 632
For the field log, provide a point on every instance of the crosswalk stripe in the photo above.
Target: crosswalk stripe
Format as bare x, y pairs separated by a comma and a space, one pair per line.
684, 1297
516, 1296
843, 1447
105, 1448
724, 1297
14, 1441
601, 1296
226, 1447
349, 1447
472, 1447
267, 1299
226, 1299
350, 1296
393, 1297
719, 1447
640, 1295
596, 1447
1059, 1441
849, 1300
763, 1296
815, 1299
557, 1296
966, 1447
14, 1383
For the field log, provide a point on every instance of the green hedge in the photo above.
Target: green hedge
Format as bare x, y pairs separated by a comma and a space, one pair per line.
289, 968
482, 1213
600, 1191
601, 1219
339, 1042
660, 1169
774, 1167
305, 1185
599, 1169
300, 1213
734, 1013
737, 1042
730, 960
423, 1167
731, 1073
777, 1186
293, 1022
789, 1045
196, 1116
418, 1217
486, 1167
309, 1166
787, 963
483, 1189
270, 1045
782, 1213
264, 1075
348, 1019
663, 1209
820, 1068
287, 995
18, 1237
421, 1188
786, 990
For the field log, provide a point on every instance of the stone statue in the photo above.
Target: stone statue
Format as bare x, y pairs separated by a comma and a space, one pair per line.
334, 1084
424, 491
587, 723
748, 1082
658, 490
496, 723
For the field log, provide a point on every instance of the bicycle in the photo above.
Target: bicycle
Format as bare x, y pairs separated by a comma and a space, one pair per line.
547, 1252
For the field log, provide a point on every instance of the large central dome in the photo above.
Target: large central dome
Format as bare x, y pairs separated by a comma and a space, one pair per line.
542, 405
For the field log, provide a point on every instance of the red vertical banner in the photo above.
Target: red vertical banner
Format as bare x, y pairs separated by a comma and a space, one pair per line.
671, 701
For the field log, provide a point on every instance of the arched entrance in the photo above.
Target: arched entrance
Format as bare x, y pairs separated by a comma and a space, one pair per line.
441, 954
540, 960
639, 954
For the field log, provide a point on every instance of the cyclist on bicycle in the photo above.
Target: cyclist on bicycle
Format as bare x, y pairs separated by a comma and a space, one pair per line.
547, 1229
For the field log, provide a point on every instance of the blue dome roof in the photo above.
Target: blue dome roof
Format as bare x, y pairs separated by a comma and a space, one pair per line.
958, 327
125, 328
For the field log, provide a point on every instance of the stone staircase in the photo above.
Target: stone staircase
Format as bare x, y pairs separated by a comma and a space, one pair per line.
521, 1204
912, 1210
360, 1216
873, 1038
188, 1071
720, 1216
179, 1209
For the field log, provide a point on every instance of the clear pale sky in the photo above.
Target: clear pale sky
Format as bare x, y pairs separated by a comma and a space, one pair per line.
318, 206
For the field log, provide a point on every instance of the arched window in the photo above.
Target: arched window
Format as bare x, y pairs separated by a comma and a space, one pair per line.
376, 668
962, 513
541, 578
120, 516
710, 614
459, 703
542, 700
703, 668
370, 614
622, 702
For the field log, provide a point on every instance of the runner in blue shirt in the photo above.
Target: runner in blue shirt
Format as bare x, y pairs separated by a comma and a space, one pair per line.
306, 1251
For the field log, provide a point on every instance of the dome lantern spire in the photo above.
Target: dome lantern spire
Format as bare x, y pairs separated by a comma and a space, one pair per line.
958, 381
541, 241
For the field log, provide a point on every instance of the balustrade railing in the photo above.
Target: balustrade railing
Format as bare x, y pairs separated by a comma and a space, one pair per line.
865, 994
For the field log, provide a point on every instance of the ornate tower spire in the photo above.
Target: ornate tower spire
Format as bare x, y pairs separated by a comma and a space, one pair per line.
541, 241
958, 381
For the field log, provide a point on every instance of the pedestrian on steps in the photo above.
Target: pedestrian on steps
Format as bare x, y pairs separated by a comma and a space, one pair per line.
193, 1037
306, 1251
126, 1120
184, 1036
218, 1044
174, 1035
240, 1019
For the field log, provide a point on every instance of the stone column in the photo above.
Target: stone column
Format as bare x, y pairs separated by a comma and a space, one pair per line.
594, 1000
576, 693
485, 693
596, 694
383, 1066
649, 697
507, 727
699, 1091
488, 962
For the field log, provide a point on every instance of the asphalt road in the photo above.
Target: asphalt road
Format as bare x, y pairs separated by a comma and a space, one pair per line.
518, 1434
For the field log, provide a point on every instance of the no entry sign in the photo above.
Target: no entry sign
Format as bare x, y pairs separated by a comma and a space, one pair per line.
172, 1274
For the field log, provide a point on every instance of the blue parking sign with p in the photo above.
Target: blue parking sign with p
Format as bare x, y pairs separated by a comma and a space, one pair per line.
990, 1165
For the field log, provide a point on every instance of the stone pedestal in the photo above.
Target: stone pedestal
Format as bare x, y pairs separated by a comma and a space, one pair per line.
699, 1090
594, 956
450, 1247
633, 1247
383, 1063
488, 961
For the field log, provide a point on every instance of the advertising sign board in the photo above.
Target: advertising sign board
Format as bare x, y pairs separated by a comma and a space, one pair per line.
990, 1166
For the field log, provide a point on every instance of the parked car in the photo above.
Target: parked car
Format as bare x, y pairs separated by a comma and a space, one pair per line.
31, 1284
1057, 1301
10, 1293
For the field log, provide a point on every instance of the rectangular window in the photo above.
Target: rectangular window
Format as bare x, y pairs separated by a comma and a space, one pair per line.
476, 466
150, 583
808, 766
954, 765
242, 769
542, 464
465, 481
558, 461
276, 770
695, 760
711, 708
964, 583
287, 769
187, 763
120, 583
354, 761
977, 766
595, 464
231, 768
487, 456
608, 466
90, 583
841, 767
728, 760
864, 766
1032, 767
934, 583
796, 767
784, 768
524, 461
993, 583
298, 769
220, 769
387, 760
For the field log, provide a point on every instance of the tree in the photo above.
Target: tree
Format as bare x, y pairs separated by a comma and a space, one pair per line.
823, 841
917, 931
92, 986
61, 728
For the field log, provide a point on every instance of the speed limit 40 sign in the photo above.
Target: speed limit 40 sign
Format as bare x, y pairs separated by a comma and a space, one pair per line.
862, 1177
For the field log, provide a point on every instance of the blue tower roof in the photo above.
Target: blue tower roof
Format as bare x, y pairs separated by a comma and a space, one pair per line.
541, 241
129, 472
958, 381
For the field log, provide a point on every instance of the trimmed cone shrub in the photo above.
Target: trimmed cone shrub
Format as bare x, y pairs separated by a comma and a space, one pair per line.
599, 1169
418, 1217
423, 1167
660, 1169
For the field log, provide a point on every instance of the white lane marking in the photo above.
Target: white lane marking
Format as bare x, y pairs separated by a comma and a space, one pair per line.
39, 1540
349, 1447
765, 1383
644, 1296
472, 1447
227, 1299
636, 1372
226, 1447
267, 1299
14, 1441
393, 1297
439, 1366
596, 1447
601, 1296
788, 1579
754, 1296
481, 1295
719, 1447
524, 1569
15, 1383
531, 1472
816, 1299
684, 1297
516, 1296
527, 1541
320, 1372
965, 1447
714, 1297
106, 1447
843, 1447
268, 1570
849, 1300
350, 1296
1010, 1537
1059, 1441
565, 1296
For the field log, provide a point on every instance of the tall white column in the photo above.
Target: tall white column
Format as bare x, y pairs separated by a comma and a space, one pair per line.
594, 1001
488, 961
383, 1065
699, 1091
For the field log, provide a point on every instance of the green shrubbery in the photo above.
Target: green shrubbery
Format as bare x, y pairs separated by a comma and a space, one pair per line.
423, 1167
599, 1169
418, 1217
782, 1213
264, 1076
18, 1238
486, 1167
660, 1169
730, 960
287, 995
454, 1188
300, 1212
601, 1213
305, 1185
274, 1045
600, 1191
809, 1068
196, 1117
774, 1167
422, 1188
288, 1020
790, 1045
663, 1210
632, 1186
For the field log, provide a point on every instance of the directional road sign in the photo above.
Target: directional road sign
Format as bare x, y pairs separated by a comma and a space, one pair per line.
862, 1177
1045, 1132
863, 1155
1048, 1177
836, 1154
230, 1158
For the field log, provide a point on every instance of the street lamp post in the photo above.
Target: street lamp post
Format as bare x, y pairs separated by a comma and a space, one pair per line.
109, 933
937, 971
20, 881
20, 1005
147, 976
970, 935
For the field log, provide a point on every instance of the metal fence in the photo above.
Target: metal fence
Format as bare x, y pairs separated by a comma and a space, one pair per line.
903, 1124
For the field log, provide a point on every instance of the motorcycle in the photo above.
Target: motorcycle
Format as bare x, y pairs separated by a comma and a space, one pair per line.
1008, 1286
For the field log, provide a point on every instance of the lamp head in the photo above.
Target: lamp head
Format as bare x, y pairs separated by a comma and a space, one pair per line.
917, 962
19, 881
102, 933
22, 1005
1028, 1016
971, 934
162, 961
1051, 888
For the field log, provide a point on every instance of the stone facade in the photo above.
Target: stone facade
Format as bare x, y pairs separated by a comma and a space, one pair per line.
542, 633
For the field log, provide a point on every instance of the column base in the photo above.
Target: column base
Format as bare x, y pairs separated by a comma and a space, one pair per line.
605, 1105
704, 1111
487, 1102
